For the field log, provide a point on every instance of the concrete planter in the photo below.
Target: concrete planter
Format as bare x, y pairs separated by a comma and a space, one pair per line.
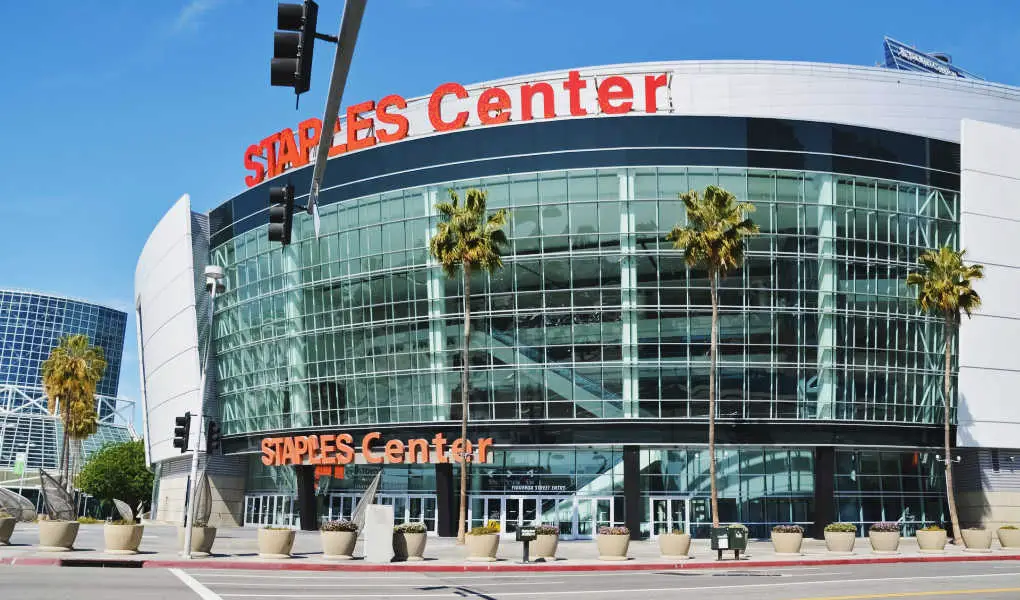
409, 546
787, 543
482, 548
1008, 538
675, 545
122, 539
840, 542
884, 542
6, 529
339, 544
612, 547
545, 546
57, 536
977, 540
275, 543
931, 541
202, 539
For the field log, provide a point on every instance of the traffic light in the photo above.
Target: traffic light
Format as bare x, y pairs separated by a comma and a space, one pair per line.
212, 437
281, 213
292, 47
182, 431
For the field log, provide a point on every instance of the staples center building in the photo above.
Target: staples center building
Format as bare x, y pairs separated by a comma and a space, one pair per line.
589, 355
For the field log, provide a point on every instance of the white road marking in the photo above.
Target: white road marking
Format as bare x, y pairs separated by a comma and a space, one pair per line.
203, 592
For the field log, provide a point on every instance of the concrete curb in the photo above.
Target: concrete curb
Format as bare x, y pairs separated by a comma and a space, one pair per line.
482, 567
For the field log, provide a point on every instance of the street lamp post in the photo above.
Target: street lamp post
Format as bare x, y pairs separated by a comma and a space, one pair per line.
213, 284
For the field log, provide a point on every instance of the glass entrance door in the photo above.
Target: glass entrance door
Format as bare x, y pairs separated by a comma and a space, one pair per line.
539, 510
593, 513
666, 514
482, 509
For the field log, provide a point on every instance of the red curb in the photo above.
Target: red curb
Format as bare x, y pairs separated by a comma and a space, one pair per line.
36, 561
554, 567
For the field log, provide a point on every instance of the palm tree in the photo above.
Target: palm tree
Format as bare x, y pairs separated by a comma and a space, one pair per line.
467, 238
945, 287
70, 376
714, 236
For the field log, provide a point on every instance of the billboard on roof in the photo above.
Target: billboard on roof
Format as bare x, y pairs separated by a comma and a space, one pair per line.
901, 56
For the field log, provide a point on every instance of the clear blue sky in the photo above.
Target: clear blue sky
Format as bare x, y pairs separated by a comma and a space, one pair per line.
112, 109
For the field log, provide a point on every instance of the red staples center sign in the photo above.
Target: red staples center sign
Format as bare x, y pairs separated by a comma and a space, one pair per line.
451, 106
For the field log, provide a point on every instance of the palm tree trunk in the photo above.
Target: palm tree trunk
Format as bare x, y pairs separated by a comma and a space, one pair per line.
65, 457
950, 495
462, 518
713, 350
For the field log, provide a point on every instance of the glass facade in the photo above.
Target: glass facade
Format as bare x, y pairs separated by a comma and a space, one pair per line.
31, 325
594, 316
594, 337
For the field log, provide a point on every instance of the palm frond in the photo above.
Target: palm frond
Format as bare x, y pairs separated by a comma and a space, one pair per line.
945, 284
467, 235
716, 230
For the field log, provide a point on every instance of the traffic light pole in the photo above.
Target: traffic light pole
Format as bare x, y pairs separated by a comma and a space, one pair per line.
213, 276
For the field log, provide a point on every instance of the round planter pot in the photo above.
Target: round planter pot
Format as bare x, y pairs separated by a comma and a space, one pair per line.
275, 543
884, 542
612, 547
1008, 538
202, 539
122, 539
931, 541
544, 546
675, 545
841, 542
482, 548
409, 546
57, 536
787, 543
6, 529
977, 540
339, 544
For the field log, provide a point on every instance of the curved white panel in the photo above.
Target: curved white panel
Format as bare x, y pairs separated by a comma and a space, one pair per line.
167, 330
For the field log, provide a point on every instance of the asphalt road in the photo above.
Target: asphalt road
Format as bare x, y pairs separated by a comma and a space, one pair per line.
984, 580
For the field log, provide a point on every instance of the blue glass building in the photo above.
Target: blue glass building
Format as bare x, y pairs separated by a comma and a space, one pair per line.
31, 325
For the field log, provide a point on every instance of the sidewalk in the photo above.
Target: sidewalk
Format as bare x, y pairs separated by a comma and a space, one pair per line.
236, 548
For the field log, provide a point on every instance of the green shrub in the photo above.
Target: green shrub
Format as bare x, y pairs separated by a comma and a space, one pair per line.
410, 528
931, 527
341, 525
275, 528
547, 530
88, 521
1009, 527
485, 530
493, 525
5, 515
120, 522
841, 528
788, 529
677, 531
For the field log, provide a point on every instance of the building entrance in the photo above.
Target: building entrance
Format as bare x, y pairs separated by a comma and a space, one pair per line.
576, 518
667, 513
407, 508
